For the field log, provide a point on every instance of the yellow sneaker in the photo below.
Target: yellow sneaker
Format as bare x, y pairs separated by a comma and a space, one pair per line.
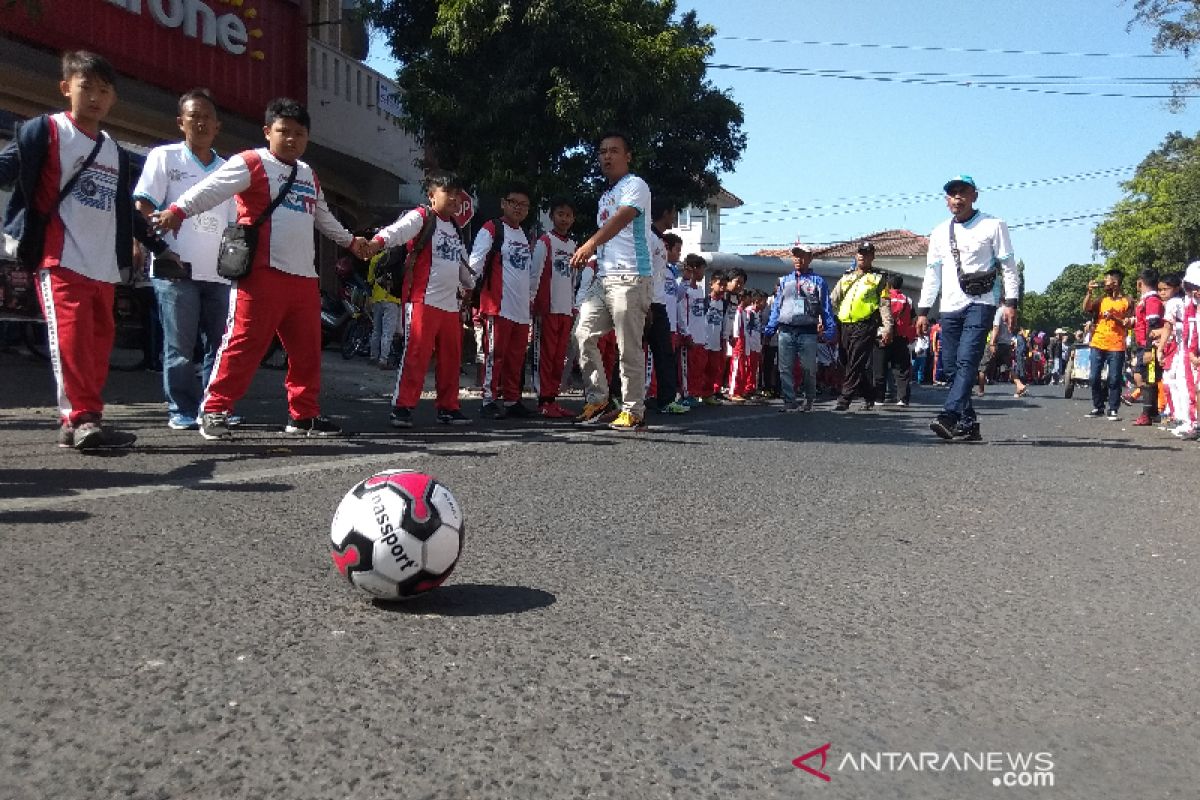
627, 422
592, 413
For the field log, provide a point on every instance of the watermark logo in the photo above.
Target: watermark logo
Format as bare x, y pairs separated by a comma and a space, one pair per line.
1007, 769
822, 751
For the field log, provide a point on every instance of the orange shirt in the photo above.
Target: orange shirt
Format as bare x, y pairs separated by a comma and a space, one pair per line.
1110, 333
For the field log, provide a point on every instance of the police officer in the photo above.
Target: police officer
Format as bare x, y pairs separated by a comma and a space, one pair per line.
864, 318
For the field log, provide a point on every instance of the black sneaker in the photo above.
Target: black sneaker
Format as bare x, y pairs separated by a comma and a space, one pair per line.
842, 405
968, 433
517, 410
944, 426
401, 417
867, 405
1095, 413
491, 411
312, 426
455, 417
90, 436
1113, 416
66, 435
215, 426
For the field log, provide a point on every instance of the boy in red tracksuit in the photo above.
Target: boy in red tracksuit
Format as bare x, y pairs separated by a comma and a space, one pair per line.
504, 300
434, 279
279, 296
73, 216
552, 305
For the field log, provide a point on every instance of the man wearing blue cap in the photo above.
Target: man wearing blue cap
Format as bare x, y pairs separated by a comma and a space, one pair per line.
967, 253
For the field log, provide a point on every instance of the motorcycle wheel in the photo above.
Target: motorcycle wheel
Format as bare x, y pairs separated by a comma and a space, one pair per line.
356, 336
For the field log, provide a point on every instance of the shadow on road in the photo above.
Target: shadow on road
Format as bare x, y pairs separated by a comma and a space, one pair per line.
472, 600
41, 517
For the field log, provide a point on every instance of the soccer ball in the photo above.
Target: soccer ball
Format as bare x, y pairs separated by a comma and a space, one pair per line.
397, 534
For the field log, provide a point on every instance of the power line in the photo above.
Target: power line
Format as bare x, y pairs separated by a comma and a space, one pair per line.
1094, 174
886, 78
935, 49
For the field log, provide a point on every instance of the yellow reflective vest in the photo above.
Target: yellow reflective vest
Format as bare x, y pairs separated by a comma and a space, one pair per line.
860, 295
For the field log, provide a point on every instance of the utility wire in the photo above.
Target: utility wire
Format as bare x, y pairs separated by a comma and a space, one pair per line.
933, 49
885, 78
850, 200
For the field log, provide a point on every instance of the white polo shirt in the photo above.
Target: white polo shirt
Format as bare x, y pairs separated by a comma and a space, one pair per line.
627, 253
170, 171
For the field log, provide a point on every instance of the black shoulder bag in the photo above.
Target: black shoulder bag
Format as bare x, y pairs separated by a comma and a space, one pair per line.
33, 240
239, 242
976, 283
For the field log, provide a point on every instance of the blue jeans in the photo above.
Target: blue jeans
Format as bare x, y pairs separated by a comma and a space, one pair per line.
190, 311
1116, 375
964, 336
804, 345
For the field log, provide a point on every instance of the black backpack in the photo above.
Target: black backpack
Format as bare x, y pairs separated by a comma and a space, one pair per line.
402, 270
485, 275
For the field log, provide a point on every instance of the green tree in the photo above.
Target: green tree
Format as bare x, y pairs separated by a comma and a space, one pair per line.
1157, 222
1176, 25
1061, 305
518, 90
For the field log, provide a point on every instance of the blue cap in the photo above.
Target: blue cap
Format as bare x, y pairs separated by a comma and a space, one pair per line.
967, 179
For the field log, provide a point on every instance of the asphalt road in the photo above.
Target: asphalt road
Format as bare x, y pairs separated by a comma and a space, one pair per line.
674, 614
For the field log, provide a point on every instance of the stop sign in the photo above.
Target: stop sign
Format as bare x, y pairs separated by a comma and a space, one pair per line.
464, 210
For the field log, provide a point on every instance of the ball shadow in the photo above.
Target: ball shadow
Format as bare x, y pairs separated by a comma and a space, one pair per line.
471, 600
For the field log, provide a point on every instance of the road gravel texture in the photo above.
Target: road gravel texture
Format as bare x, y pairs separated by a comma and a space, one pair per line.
678, 613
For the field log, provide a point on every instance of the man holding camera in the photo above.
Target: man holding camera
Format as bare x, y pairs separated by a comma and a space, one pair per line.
967, 253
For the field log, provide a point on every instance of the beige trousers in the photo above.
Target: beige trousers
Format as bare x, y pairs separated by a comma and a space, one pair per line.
618, 303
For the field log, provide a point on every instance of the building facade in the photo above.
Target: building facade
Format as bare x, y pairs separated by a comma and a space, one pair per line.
245, 53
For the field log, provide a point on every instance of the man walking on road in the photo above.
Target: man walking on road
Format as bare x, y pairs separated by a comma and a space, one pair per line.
966, 254
801, 314
864, 319
619, 299
1108, 342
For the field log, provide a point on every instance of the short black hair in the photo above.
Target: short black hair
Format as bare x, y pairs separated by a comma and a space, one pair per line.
560, 201
737, 272
1149, 276
1174, 280
719, 275
671, 240
443, 180
199, 93
660, 206
87, 63
694, 260
616, 135
517, 188
287, 108
1114, 271
896, 281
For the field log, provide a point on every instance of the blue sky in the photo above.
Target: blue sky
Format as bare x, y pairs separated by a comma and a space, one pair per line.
880, 151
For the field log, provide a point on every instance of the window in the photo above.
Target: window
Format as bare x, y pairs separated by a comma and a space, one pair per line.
337, 77
325, 71
685, 218
358, 76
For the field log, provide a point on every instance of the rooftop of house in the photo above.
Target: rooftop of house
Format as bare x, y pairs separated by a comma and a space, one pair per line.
895, 243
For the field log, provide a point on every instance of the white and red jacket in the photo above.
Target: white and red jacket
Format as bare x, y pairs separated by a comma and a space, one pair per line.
508, 290
552, 274
254, 178
440, 268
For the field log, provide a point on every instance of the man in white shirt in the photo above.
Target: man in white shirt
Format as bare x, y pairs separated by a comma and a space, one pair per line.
619, 299
964, 253
194, 307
